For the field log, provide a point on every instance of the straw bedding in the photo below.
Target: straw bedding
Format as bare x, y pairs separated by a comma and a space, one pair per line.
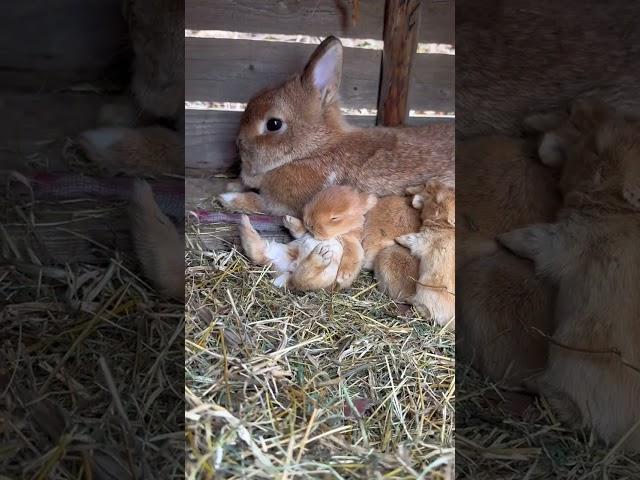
309, 385
91, 361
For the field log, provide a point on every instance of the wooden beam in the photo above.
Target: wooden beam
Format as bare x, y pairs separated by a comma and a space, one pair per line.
401, 26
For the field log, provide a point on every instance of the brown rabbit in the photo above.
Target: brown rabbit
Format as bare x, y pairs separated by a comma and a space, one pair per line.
294, 141
501, 302
328, 237
156, 31
157, 243
151, 150
392, 217
157, 35
395, 269
522, 56
434, 246
396, 272
592, 254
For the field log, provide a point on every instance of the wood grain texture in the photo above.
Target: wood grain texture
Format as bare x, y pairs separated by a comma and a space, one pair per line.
199, 194
307, 17
401, 25
210, 138
432, 85
314, 17
50, 45
35, 126
234, 70
438, 22
224, 237
211, 135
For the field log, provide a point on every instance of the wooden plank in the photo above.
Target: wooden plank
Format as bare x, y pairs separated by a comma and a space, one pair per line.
34, 127
438, 22
308, 17
402, 21
73, 240
50, 45
210, 139
234, 70
420, 121
315, 17
433, 83
200, 191
224, 237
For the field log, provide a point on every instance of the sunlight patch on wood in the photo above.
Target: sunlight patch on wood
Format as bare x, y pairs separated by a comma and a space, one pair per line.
366, 43
367, 112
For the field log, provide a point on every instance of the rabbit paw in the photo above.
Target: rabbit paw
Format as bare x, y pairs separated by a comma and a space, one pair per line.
228, 199
294, 225
323, 255
347, 275
281, 280
552, 150
236, 187
245, 224
417, 201
244, 201
528, 242
411, 241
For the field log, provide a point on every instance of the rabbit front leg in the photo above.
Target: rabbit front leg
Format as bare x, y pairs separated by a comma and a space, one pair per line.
351, 263
245, 201
236, 186
253, 244
415, 242
265, 252
312, 273
294, 225
544, 244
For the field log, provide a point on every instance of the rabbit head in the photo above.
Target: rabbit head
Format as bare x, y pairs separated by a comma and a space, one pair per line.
604, 159
436, 202
335, 211
156, 29
296, 118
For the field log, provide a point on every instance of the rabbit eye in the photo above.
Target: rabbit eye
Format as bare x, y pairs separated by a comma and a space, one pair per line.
335, 219
274, 124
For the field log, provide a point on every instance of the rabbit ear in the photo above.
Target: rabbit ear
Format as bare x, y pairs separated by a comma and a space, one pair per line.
324, 70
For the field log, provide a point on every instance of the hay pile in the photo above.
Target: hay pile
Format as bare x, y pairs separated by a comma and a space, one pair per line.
91, 362
315, 385
493, 443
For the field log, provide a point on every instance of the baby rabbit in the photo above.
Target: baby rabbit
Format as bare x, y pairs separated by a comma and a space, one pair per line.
391, 217
395, 269
434, 245
327, 239
591, 254
293, 142
159, 247
501, 303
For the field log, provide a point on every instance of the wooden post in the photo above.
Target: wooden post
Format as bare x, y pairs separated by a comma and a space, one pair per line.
401, 26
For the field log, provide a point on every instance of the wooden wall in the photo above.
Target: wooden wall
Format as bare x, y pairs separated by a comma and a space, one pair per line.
225, 70
47, 45
48, 50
